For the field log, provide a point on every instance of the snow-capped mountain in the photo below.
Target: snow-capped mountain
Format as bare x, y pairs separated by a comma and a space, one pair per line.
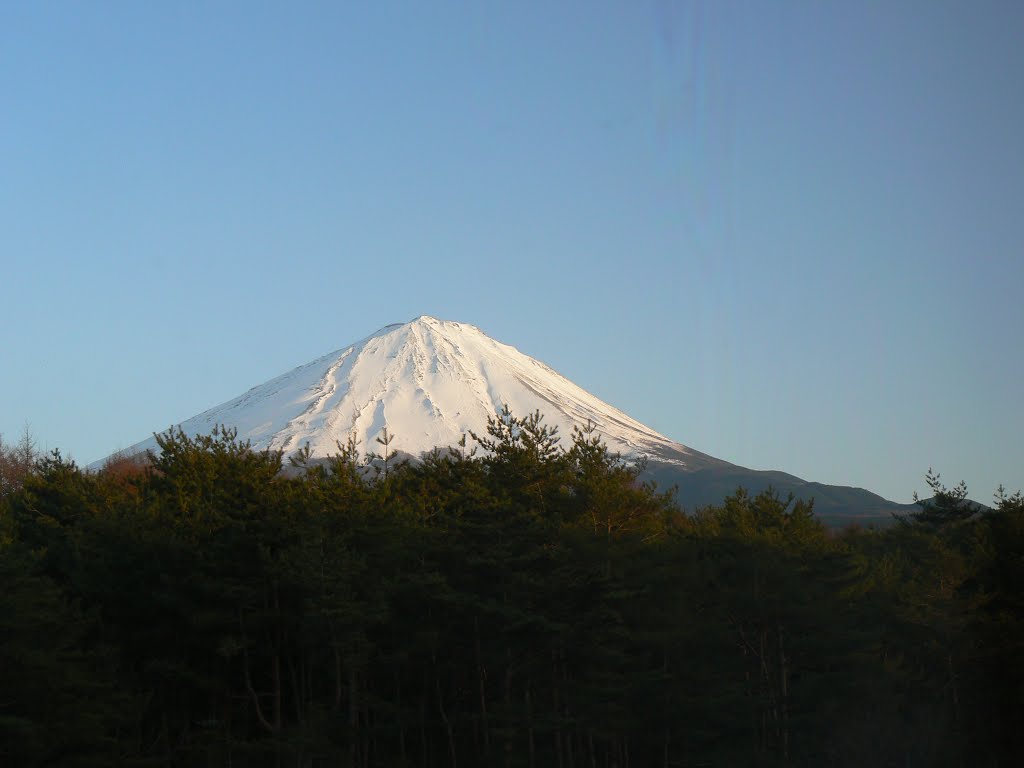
429, 382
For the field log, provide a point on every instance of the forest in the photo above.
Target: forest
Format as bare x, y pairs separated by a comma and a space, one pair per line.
517, 601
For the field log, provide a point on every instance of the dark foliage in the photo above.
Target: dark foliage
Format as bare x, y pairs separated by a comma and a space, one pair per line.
528, 605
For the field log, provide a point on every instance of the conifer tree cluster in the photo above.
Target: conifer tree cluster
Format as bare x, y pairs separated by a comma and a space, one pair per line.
511, 602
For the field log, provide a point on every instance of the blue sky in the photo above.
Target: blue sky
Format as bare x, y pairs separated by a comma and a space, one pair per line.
790, 235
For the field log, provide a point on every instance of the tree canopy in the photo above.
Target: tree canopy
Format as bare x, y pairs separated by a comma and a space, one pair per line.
514, 601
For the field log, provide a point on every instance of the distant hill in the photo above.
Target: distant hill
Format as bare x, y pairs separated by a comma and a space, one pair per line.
837, 505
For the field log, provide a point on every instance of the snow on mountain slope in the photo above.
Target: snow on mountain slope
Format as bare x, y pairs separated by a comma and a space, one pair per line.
429, 382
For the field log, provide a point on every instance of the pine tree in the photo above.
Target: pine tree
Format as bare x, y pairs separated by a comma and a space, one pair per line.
946, 506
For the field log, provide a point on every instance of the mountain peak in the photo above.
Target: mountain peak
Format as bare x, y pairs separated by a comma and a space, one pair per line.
429, 382
426, 324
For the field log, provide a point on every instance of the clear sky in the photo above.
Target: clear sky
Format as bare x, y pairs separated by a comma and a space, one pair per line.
790, 235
